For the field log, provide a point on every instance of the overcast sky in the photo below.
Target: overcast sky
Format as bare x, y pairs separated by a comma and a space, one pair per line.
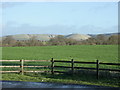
59, 17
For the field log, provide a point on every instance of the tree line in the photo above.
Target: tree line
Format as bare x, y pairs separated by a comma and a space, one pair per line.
9, 41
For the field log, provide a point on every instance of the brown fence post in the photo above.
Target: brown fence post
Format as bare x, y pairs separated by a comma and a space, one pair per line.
72, 66
21, 66
97, 69
52, 66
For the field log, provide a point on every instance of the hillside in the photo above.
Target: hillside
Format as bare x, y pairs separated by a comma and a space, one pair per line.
106, 34
46, 37
41, 37
78, 37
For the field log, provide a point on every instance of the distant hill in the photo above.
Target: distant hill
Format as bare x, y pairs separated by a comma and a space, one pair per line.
106, 34
41, 37
78, 37
47, 37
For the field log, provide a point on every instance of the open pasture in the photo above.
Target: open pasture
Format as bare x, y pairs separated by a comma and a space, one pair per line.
88, 53
104, 53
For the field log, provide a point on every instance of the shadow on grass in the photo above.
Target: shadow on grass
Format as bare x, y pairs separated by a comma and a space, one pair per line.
82, 77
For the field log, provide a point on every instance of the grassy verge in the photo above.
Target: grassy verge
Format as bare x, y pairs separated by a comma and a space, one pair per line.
63, 78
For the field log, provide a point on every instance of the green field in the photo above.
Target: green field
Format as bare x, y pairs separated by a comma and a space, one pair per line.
104, 53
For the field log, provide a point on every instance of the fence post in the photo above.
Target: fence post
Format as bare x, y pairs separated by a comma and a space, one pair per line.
97, 69
72, 66
52, 66
21, 66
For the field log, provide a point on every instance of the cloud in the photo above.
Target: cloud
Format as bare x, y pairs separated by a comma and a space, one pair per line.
91, 29
102, 6
12, 29
1, 25
10, 4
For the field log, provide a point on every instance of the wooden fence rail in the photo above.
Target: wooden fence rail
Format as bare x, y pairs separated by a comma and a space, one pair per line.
24, 71
24, 66
97, 63
21, 66
24, 60
53, 66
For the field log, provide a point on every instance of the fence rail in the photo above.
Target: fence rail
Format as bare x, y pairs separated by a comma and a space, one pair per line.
110, 63
97, 63
24, 60
53, 66
9, 60
21, 66
24, 66
24, 71
87, 62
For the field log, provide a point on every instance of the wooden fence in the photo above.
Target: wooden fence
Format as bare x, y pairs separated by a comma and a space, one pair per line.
21, 66
97, 63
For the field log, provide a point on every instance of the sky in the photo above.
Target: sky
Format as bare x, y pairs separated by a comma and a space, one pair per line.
58, 17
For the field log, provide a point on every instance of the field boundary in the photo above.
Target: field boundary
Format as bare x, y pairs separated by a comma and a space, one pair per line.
97, 63
53, 66
21, 66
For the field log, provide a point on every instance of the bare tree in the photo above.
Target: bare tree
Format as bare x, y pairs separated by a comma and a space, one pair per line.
34, 42
101, 39
114, 39
8, 41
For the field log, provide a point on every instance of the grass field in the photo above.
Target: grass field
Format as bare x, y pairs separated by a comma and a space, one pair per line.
62, 78
104, 53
